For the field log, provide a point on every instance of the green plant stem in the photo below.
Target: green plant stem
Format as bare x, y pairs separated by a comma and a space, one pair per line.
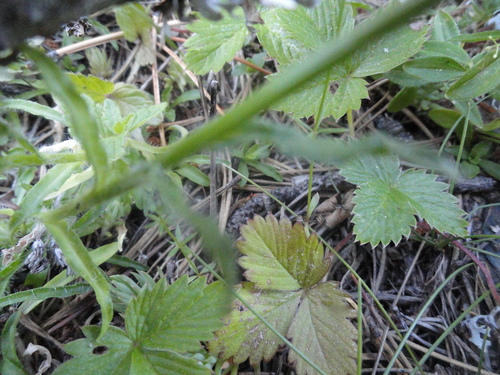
360, 329
350, 123
318, 118
461, 148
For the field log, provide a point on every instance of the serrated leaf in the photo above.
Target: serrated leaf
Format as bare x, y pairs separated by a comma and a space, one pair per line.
312, 27
176, 317
163, 323
96, 88
321, 331
348, 96
136, 23
215, 43
133, 20
245, 336
273, 40
138, 118
387, 200
478, 80
130, 99
285, 266
290, 35
280, 256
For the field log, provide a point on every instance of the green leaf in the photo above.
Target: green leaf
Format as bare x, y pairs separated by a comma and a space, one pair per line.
136, 23
10, 362
44, 293
33, 108
389, 51
348, 96
477, 37
434, 69
130, 99
447, 118
133, 20
82, 124
444, 27
320, 329
186, 97
281, 256
480, 151
246, 336
79, 260
138, 118
289, 298
492, 168
387, 200
163, 325
215, 43
32, 202
478, 80
445, 49
194, 174
267, 169
96, 88
402, 99
469, 170
290, 35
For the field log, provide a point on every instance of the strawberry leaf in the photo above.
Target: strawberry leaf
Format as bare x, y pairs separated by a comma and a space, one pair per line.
321, 331
164, 325
215, 43
285, 266
246, 336
135, 23
290, 35
279, 256
388, 199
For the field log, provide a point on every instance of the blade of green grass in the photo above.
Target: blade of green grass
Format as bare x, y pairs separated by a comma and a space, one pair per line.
44, 293
79, 260
82, 123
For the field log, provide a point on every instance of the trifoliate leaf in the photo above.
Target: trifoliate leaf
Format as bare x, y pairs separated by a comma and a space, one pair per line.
321, 331
280, 256
289, 35
313, 317
163, 325
215, 43
388, 199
